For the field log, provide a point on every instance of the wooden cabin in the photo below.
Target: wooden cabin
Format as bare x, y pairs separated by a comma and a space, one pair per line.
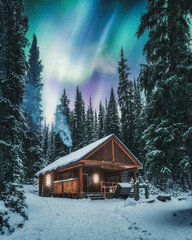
97, 167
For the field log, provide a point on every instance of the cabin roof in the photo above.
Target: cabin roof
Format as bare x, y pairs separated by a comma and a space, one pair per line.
78, 155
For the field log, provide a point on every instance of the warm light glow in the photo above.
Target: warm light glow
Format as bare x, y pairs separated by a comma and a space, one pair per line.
48, 180
96, 178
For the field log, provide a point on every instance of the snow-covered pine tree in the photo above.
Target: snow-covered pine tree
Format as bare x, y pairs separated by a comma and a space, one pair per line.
33, 104
96, 125
125, 100
139, 123
60, 148
131, 116
112, 121
33, 114
91, 135
122, 91
168, 87
14, 26
63, 111
78, 129
101, 121
65, 104
45, 143
51, 145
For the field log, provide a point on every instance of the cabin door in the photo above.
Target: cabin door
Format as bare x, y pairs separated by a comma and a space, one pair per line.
85, 182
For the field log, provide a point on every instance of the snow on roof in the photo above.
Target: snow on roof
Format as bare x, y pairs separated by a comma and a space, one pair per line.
74, 156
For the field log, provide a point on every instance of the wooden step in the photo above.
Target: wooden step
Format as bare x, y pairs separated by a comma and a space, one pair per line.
96, 196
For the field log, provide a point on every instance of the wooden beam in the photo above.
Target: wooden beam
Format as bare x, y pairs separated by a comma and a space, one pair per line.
63, 169
94, 162
81, 178
113, 153
113, 167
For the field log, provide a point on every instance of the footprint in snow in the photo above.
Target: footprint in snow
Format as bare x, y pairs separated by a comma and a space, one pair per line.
132, 226
137, 228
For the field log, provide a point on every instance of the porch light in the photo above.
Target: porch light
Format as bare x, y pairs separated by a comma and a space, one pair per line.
48, 180
96, 178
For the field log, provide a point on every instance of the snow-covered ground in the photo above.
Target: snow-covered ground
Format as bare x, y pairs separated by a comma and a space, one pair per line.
67, 219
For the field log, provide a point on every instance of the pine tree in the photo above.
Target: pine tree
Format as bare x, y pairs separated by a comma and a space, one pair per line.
106, 119
112, 117
33, 105
90, 124
139, 121
65, 105
167, 83
101, 121
96, 125
33, 113
125, 100
131, 117
14, 27
78, 130
60, 148
51, 146
45, 142
63, 127
33, 155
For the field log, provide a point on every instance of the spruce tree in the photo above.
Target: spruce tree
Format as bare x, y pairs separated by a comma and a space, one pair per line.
51, 146
65, 105
125, 100
139, 122
33, 105
112, 117
62, 115
78, 130
90, 124
96, 125
60, 148
167, 83
45, 142
14, 27
101, 121
33, 113
131, 117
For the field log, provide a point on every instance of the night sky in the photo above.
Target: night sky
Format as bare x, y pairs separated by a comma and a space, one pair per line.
80, 41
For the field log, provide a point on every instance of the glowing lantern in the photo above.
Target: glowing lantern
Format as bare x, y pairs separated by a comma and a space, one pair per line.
96, 178
48, 180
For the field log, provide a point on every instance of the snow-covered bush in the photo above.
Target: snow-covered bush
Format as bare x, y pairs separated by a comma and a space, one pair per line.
9, 221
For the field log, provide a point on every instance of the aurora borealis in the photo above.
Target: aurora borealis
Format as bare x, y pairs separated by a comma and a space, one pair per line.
80, 41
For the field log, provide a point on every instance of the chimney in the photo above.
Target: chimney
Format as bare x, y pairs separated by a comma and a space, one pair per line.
69, 150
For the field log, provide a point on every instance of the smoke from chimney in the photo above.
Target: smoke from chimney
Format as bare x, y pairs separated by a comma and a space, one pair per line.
62, 128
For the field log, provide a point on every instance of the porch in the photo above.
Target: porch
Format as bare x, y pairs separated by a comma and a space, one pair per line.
85, 178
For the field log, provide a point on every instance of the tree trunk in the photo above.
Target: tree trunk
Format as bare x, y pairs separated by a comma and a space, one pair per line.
1, 170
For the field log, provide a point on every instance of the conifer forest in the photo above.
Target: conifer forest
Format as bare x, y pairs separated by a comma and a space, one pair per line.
149, 110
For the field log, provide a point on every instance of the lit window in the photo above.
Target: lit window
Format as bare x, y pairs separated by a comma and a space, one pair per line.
48, 180
96, 178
